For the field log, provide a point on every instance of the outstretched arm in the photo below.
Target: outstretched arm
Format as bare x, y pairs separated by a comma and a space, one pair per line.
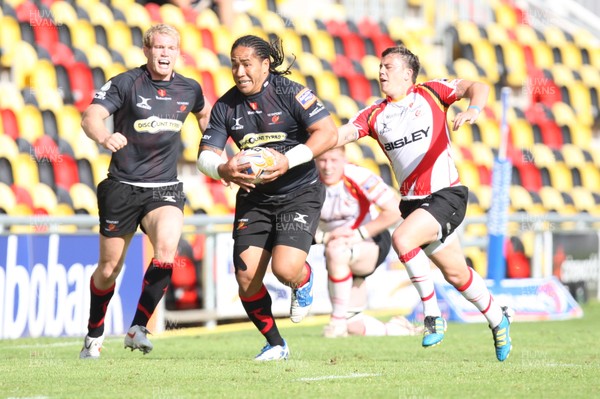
477, 93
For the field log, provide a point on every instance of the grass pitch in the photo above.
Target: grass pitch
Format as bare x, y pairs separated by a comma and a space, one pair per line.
549, 360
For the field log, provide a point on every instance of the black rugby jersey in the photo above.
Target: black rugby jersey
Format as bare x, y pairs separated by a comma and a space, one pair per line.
276, 117
150, 114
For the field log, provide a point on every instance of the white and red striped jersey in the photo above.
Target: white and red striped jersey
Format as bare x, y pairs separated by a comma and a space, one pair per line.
350, 202
414, 134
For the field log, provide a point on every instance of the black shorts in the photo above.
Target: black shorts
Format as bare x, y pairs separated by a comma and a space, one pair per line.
291, 219
384, 242
448, 206
122, 206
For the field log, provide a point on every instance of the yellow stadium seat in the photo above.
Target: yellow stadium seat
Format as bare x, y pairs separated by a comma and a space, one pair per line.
10, 32
485, 53
99, 13
505, 15
223, 80
8, 148
291, 42
84, 198
542, 55
573, 155
581, 135
552, 199
484, 194
322, 45
479, 259
69, 123
304, 25
191, 39
242, 24
297, 77
22, 58
85, 36
172, 15
581, 102
63, 12
328, 86
119, 37
520, 199
482, 154
590, 75
526, 35
563, 113
199, 197
49, 99
490, 132
571, 55
370, 65
463, 137
346, 107
100, 167
560, 176
223, 39
190, 137
206, 60
562, 75
7, 198
554, 35
466, 69
353, 153
11, 97
25, 170
522, 133
497, 33
207, 18
134, 57
43, 76
514, 60
272, 22
98, 56
468, 31
113, 70
43, 197
31, 125
468, 173
135, 14
590, 176
84, 147
584, 200
309, 64
542, 155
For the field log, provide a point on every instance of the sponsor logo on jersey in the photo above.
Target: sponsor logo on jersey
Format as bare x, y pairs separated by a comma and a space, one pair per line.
318, 109
155, 124
258, 139
143, 103
101, 95
406, 140
306, 98
238, 125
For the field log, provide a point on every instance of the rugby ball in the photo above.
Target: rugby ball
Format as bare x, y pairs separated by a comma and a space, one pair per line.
258, 158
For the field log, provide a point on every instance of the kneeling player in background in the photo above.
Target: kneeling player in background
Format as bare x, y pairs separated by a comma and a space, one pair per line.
357, 240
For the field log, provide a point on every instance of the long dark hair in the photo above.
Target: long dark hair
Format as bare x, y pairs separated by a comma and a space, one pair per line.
264, 50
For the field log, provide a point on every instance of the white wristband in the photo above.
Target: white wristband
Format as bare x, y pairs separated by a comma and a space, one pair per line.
298, 155
363, 232
208, 163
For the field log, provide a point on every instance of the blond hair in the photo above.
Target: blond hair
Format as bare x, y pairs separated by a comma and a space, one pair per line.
160, 29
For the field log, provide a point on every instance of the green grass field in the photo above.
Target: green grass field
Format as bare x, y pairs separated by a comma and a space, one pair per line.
549, 360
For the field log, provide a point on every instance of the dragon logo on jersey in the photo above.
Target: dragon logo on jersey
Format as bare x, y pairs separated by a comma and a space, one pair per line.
155, 124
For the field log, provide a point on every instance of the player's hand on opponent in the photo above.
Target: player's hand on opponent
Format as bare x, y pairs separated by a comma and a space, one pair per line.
470, 115
114, 142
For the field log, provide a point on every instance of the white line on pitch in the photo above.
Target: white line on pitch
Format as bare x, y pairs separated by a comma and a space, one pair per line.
337, 377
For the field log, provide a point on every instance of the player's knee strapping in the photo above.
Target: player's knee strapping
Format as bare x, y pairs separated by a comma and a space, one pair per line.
238, 262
